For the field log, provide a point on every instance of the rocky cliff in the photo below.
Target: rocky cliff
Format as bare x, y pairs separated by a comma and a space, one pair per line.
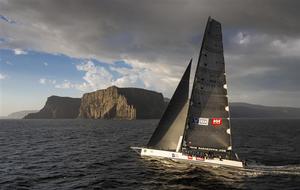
57, 108
122, 103
135, 103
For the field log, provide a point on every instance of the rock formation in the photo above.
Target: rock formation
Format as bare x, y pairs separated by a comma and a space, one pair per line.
20, 114
122, 103
57, 108
135, 103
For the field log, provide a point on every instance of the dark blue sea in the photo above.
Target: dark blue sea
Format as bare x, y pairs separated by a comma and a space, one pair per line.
95, 154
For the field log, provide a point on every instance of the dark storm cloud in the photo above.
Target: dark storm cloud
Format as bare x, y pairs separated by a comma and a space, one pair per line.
261, 38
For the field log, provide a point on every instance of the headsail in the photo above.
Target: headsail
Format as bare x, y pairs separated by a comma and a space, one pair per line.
172, 124
208, 126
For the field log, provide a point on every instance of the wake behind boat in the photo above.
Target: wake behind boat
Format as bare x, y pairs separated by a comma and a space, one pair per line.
197, 130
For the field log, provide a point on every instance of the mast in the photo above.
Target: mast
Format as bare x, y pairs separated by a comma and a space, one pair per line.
169, 132
208, 122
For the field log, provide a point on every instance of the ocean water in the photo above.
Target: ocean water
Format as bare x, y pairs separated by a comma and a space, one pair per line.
95, 154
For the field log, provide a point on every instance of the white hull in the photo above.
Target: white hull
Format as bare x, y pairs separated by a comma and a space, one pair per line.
178, 156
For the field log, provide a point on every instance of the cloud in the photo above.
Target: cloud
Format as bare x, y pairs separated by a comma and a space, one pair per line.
2, 76
95, 77
261, 40
138, 30
46, 81
45, 63
102, 76
287, 48
8, 63
242, 38
18, 51
42, 81
65, 85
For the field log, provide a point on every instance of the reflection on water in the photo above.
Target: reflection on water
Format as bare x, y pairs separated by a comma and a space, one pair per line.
187, 176
91, 154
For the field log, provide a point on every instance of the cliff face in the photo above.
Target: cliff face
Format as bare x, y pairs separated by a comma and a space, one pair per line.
57, 108
122, 103
135, 103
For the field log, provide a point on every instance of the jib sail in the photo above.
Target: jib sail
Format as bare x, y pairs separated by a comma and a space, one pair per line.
172, 124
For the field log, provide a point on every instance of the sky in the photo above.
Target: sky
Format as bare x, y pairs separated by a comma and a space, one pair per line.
70, 47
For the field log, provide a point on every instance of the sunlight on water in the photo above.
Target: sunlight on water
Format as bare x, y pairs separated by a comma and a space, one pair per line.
88, 154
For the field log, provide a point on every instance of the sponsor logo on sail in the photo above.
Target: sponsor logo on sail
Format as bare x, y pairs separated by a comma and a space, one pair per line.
194, 120
203, 121
216, 122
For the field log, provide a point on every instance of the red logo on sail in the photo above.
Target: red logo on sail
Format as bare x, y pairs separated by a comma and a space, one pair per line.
216, 122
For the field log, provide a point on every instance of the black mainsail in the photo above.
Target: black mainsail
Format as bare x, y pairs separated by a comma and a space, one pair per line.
208, 126
172, 124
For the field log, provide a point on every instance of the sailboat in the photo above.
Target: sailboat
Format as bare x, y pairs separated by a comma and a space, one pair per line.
197, 129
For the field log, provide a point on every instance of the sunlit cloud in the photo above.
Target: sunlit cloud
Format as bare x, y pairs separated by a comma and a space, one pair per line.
46, 81
65, 85
242, 38
18, 51
42, 81
137, 75
2, 76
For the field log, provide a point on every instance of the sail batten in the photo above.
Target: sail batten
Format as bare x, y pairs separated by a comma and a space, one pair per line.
172, 124
208, 116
